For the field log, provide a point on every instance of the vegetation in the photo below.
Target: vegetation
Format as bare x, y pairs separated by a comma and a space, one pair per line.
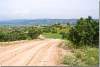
50, 35
82, 57
82, 38
85, 32
31, 32
19, 33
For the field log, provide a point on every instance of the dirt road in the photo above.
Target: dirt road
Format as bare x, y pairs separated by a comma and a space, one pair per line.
31, 53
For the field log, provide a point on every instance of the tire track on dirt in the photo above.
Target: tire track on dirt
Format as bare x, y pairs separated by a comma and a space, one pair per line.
35, 53
38, 59
23, 58
9, 54
51, 55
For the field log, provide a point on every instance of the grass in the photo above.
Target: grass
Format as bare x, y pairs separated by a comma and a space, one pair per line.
52, 35
85, 56
82, 56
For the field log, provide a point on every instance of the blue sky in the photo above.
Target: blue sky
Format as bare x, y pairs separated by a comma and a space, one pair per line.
33, 9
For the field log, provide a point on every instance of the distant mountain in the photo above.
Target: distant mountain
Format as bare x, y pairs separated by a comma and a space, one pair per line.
37, 21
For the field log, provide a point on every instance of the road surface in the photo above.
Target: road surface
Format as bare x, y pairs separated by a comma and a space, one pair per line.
31, 53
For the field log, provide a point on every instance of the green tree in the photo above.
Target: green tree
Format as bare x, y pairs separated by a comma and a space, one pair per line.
85, 32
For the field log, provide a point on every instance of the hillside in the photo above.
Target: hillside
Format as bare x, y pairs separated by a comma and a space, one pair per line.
36, 21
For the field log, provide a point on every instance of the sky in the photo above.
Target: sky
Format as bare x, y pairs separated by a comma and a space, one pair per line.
53, 9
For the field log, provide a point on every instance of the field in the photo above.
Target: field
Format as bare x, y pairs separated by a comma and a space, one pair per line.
52, 35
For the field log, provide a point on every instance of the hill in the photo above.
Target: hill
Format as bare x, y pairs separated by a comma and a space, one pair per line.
37, 21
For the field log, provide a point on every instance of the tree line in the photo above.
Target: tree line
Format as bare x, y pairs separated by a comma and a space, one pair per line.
19, 33
84, 32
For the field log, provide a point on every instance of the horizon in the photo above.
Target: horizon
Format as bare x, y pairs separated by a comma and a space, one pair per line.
45, 18
52, 9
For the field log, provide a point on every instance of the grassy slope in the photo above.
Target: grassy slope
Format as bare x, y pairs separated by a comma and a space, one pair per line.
82, 56
52, 35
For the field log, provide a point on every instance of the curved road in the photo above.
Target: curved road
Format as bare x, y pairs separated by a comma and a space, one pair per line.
31, 53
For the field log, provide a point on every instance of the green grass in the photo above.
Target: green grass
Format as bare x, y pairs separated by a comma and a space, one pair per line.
83, 57
52, 35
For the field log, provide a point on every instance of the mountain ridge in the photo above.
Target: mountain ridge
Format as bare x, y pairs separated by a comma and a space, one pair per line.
37, 21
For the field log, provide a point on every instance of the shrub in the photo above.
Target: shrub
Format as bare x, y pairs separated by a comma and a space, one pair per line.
19, 33
69, 60
85, 32
34, 33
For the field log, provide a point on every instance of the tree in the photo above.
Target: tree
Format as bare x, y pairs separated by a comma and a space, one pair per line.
85, 32
34, 33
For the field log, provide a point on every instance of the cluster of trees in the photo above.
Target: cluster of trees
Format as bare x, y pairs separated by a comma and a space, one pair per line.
29, 32
85, 32
55, 28
13, 34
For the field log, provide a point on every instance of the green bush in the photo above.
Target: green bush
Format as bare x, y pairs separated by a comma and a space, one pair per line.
92, 56
34, 32
69, 60
85, 32
19, 33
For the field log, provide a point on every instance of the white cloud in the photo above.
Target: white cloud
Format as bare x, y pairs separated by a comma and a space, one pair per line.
48, 8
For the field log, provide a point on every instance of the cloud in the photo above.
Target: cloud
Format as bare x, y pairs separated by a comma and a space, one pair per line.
48, 8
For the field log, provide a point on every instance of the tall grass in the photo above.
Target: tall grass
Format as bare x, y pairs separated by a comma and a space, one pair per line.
82, 56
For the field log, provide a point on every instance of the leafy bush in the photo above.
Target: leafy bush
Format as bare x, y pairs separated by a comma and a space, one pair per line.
34, 33
92, 56
85, 32
69, 60
19, 33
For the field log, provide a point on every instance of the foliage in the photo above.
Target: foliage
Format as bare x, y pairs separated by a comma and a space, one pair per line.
83, 57
52, 35
34, 33
56, 30
69, 60
85, 32
19, 33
